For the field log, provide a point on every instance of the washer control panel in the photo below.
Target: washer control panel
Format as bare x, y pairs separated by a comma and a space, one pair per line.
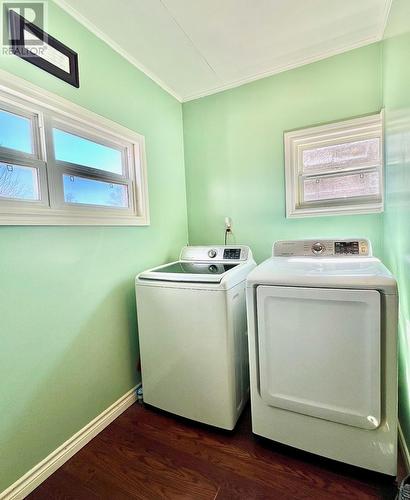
359, 247
238, 253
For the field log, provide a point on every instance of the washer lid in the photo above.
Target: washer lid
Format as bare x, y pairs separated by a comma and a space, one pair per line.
327, 272
199, 272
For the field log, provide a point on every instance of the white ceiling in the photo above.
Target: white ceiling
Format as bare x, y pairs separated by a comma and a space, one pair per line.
194, 48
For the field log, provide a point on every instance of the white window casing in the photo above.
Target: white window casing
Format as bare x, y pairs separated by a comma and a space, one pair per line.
335, 169
45, 112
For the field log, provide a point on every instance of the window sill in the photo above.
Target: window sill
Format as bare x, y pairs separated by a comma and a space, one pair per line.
296, 213
16, 219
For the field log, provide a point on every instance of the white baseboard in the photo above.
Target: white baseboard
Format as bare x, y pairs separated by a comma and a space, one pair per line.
404, 449
40, 472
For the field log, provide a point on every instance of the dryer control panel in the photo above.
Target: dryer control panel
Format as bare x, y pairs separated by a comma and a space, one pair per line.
232, 253
354, 247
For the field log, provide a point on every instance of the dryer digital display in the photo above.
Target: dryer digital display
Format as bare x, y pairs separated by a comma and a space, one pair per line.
347, 247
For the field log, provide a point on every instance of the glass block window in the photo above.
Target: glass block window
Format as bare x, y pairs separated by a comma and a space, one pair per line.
335, 169
338, 156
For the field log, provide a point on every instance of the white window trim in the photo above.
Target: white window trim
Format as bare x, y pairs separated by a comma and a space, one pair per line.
296, 141
50, 108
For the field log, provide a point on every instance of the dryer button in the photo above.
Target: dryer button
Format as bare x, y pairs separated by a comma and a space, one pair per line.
317, 248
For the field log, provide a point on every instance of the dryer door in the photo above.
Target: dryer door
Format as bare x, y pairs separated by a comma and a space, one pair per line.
319, 352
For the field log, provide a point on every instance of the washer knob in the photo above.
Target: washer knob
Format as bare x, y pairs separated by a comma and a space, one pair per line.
317, 248
212, 253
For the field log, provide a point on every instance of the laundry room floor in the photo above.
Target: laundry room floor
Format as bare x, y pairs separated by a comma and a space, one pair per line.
148, 454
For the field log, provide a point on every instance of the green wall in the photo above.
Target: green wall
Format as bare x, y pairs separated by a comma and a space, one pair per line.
234, 150
396, 89
68, 342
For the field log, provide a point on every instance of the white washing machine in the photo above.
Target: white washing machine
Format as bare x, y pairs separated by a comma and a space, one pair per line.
192, 334
322, 326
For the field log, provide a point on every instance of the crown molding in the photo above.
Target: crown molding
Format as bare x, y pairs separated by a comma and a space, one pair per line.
281, 69
115, 46
229, 85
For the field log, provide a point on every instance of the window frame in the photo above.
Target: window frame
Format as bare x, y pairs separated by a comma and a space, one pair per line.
36, 159
297, 141
60, 167
48, 111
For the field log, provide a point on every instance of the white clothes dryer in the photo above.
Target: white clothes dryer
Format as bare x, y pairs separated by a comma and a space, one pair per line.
322, 325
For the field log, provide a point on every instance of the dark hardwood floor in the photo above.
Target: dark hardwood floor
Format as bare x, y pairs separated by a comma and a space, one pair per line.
148, 454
